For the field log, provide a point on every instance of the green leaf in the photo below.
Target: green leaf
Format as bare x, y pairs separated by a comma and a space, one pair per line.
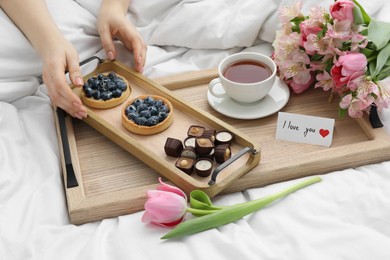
357, 15
371, 68
366, 18
379, 33
385, 72
368, 53
232, 213
342, 112
381, 60
200, 200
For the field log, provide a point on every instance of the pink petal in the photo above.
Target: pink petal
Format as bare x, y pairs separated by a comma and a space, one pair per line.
170, 188
163, 206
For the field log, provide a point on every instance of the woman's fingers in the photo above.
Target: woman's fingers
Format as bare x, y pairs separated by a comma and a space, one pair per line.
60, 92
75, 74
107, 43
134, 42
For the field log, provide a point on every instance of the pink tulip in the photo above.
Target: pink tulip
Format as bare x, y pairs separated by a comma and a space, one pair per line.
165, 206
342, 10
347, 68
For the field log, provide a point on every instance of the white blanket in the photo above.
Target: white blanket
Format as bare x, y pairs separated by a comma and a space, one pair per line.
346, 216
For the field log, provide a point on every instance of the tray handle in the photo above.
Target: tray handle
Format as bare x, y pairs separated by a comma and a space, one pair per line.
228, 162
91, 59
71, 180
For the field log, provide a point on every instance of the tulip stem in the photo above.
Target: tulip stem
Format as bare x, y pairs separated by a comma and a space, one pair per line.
296, 187
200, 212
232, 213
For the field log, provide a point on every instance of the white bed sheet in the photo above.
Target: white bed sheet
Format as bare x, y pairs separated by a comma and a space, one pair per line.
346, 216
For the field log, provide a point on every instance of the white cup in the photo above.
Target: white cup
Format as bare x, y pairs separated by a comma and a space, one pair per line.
244, 92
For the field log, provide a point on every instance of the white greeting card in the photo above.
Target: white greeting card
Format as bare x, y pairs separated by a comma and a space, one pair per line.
304, 129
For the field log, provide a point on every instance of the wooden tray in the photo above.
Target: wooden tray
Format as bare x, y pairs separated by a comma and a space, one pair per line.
150, 148
119, 188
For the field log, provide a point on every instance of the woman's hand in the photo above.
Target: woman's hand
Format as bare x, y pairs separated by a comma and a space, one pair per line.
113, 23
60, 56
57, 53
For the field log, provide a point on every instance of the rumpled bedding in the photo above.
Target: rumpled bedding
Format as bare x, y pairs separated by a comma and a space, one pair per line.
346, 216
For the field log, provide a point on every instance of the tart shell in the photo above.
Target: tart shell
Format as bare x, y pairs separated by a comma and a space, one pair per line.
147, 130
104, 104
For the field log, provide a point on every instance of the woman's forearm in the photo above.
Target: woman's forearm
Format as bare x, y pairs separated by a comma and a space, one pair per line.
33, 18
123, 5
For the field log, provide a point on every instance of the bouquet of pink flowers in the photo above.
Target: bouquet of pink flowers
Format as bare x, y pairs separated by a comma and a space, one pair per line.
343, 51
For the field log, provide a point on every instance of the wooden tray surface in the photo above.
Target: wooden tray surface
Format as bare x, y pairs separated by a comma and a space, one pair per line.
125, 179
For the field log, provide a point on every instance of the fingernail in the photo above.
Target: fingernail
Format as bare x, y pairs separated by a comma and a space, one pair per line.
83, 114
79, 81
110, 55
139, 59
77, 116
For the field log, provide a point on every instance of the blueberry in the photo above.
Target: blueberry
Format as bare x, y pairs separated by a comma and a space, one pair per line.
149, 100
153, 110
91, 79
121, 85
163, 108
130, 109
132, 116
88, 92
96, 94
138, 102
140, 120
162, 116
100, 76
112, 76
106, 95
158, 103
116, 93
86, 85
95, 84
103, 86
145, 113
111, 85
142, 107
153, 120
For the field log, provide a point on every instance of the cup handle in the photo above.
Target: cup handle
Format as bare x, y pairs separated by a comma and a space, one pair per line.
212, 84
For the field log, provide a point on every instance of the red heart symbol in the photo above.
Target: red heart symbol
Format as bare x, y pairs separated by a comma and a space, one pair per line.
324, 132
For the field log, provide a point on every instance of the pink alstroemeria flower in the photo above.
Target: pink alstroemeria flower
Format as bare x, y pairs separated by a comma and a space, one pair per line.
299, 88
348, 67
356, 105
307, 28
342, 10
165, 206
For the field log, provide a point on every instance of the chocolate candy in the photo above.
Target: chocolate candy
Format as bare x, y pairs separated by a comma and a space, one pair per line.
222, 153
195, 130
185, 164
189, 152
200, 150
203, 167
223, 137
173, 147
210, 155
203, 146
210, 133
189, 141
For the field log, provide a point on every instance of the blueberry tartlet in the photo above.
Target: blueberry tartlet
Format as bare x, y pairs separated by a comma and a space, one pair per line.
147, 115
105, 90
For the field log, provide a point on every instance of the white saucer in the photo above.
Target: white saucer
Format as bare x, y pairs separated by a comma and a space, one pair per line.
275, 100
